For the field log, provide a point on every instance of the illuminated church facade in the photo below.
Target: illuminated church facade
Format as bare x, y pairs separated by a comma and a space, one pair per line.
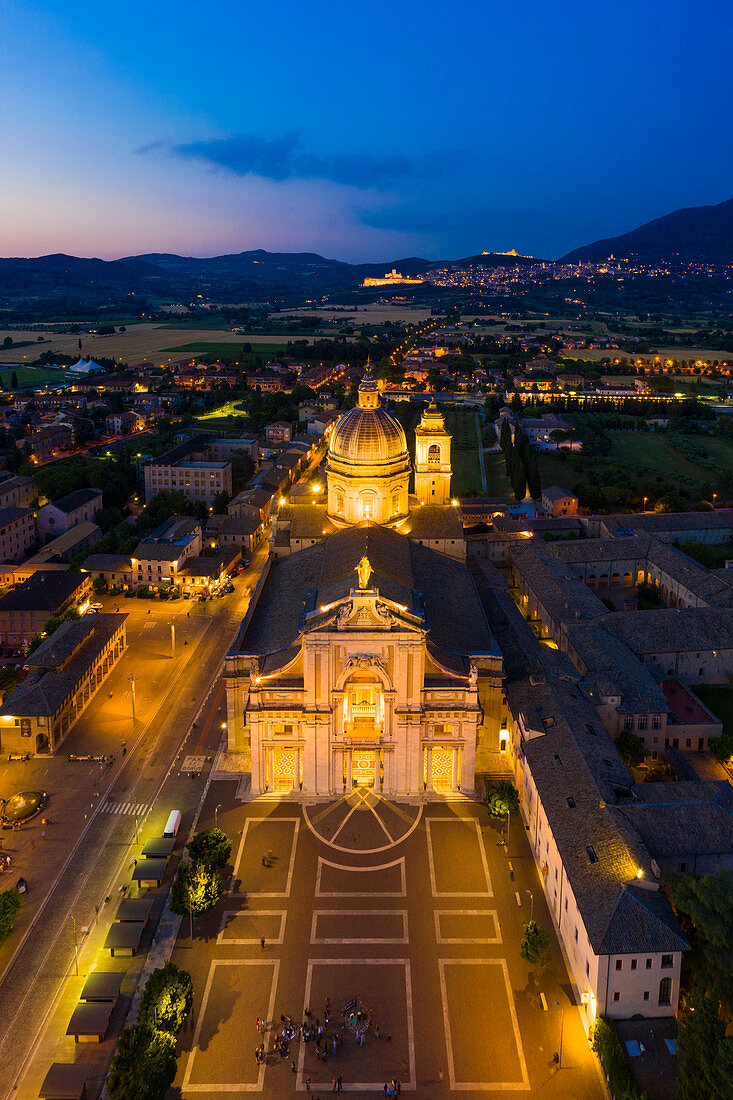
365, 658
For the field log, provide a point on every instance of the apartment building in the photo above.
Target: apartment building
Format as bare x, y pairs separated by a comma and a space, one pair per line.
18, 533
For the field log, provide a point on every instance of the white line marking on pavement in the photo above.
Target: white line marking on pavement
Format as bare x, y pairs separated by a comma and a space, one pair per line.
250, 914
295, 821
254, 1086
401, 893
359, 913
491, 913
482, 1086
359, 1086
488, 893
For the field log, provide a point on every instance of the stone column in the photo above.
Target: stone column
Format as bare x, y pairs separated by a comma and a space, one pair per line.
296, 770
377, 754
349, 785
270, 779
429, 769
454, 771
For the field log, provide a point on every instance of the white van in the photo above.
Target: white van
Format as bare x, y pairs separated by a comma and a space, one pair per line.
172, 825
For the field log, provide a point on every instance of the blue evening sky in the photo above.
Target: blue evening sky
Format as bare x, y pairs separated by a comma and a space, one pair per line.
363, 132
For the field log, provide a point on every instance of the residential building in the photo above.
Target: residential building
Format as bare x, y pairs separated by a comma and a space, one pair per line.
65, 672
185, 469
158, 559
559, 502
47, 443
18, 492
18, 533
279, 432
25, 609
82, 536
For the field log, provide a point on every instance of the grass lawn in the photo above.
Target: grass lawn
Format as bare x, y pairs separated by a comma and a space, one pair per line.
644, 457
228, 351
718, 699
466, 480
498, 484
32, 376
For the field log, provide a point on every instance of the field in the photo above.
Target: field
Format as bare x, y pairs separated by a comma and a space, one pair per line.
705, 355
366, 314
643, 457
156, 343
225, 350
32, 376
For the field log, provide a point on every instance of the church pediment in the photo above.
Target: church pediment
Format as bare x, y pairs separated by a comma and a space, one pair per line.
367, 610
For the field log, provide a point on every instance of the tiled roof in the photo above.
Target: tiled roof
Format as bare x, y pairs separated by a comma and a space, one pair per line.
669, 630
682, 819
557, 588
47, 590
606, 658
77, 644
427, 583
75, 500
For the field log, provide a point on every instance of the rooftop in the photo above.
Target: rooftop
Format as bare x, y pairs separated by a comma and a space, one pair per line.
47, 590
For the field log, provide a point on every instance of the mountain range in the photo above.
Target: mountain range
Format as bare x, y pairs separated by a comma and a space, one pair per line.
696, 233
702, 233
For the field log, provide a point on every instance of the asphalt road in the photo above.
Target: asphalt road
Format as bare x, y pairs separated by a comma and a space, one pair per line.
70, 869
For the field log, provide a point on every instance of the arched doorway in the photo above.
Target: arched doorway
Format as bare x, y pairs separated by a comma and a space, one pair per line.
363, 727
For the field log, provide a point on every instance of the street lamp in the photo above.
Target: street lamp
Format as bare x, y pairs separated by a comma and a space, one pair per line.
562, 1026
173, 641
216, 814
531, 904
131, 678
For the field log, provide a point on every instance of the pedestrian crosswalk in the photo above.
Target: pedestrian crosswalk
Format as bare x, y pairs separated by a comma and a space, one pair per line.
134, 809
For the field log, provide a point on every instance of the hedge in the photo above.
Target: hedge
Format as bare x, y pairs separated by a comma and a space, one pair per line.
607, 1046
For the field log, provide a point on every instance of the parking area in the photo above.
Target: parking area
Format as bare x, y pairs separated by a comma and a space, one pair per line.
422, 933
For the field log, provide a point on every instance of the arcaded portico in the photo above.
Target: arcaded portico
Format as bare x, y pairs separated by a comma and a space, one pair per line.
350, 671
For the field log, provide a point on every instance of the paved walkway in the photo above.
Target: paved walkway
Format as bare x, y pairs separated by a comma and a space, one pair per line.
410, 909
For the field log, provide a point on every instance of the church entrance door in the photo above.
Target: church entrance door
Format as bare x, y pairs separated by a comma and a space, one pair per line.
362, 767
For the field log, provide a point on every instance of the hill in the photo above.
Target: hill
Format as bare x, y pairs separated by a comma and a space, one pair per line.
702, 233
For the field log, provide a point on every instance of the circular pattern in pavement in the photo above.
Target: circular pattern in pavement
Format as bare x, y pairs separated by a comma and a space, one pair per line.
362, 822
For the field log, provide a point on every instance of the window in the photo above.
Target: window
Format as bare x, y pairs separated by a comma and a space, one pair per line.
643, 722
665, 991
587, 969
617, 996
633, 964
591, 854
434, 455
576, 933
571, 802
395, 503
646, 994
557, 759
667, 961
648, 964
628, 723
619, 964
656, 721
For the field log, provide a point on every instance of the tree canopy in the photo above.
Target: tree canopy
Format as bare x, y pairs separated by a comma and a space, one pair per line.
535, 945
144, 1065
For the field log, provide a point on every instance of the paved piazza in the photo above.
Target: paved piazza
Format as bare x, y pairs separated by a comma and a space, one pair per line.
413, 910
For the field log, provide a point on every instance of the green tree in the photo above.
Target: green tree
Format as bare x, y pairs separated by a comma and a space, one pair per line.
557, 435
196, 889
501, 798
10, 903
705, 904
221, 500
144, 1065
505, 435
533, 477
631, 747
14, 381
167, 999
704, 1054
535, 945
212, 847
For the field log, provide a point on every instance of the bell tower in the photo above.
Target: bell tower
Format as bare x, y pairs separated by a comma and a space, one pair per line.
432, 458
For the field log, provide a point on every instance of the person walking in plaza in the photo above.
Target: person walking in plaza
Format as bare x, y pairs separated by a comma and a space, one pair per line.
262, 943
340, 1084
335, 1085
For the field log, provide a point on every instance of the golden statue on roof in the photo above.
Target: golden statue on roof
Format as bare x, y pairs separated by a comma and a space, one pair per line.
363, 571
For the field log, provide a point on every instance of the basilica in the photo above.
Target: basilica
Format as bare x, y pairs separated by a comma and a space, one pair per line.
365, 658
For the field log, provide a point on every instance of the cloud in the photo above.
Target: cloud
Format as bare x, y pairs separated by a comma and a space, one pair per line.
283, 157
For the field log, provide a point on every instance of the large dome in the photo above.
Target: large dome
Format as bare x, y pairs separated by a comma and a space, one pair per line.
368, 467
367, 433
